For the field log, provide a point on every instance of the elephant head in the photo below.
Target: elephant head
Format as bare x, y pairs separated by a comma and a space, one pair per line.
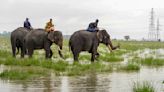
104, 38
57, 38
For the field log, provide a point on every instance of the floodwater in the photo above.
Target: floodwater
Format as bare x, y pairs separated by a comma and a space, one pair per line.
111, 82
93, 82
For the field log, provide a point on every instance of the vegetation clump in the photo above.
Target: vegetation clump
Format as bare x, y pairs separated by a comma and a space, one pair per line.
143, 87
23, 73
129, 67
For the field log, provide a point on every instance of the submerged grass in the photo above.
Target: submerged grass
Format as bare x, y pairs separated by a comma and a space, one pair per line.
129, 67
23, 73
143, 87
150, 61
111, 57
79, 69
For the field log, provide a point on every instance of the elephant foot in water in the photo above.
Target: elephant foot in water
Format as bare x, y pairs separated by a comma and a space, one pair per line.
97, 56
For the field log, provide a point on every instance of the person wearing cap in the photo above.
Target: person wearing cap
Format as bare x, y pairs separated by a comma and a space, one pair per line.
27, 24
49, 26
93, 26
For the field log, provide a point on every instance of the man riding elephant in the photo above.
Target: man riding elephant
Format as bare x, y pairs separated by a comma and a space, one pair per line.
39, 39
27, 24
93, 26
89, 41
49, 26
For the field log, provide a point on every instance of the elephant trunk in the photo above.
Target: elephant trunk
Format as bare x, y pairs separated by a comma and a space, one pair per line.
111, 47
60, 49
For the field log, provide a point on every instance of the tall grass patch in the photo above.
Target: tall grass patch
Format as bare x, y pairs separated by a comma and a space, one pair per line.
143, 87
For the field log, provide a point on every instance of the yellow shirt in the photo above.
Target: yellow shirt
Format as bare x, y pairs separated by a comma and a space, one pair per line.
49, 25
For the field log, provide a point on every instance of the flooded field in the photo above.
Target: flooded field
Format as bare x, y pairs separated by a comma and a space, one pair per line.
93, 81
134, 62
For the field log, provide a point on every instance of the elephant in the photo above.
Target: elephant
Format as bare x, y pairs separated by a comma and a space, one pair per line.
83, 40
40, 39
17, 37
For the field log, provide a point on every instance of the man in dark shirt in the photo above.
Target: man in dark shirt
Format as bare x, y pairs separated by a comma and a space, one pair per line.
27, 24
93, 26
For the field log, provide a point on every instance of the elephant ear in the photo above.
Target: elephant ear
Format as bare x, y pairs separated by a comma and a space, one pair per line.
51, 36
100, 35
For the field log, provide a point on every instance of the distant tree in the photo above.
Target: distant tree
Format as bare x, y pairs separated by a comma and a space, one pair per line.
127, 37
5, 33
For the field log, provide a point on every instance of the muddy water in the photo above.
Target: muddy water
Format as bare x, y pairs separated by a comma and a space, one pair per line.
111, 82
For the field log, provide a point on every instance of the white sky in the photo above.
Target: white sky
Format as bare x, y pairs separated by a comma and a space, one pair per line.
119, 17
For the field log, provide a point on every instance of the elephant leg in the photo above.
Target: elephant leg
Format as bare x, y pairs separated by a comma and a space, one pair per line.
51, 53
93, 57
17, 50
48, 53
30, 52
97, 55
75, 56
14, 50
25, 50
94, 53
22, 52
61, 55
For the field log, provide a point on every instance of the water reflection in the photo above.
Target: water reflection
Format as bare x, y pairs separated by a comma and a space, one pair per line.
93, 82
65, 85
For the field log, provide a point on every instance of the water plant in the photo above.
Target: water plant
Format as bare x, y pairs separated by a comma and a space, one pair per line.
143, 87
150, 61
129, 67
25, 73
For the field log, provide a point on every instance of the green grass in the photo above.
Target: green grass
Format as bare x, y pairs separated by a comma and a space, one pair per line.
79, 69
135, 45
129, 67
61, 67
115, 56
143, 87
152, 62
23, 73
149, 61
111, 58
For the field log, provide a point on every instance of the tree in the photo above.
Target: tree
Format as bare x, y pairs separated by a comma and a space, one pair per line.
127, 37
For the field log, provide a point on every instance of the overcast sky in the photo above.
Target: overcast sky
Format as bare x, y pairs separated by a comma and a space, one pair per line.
118, 17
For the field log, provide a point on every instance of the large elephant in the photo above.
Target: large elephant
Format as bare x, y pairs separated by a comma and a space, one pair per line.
89, 41
17, 37
39, 39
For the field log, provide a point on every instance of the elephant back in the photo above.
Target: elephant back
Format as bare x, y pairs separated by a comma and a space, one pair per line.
19, 33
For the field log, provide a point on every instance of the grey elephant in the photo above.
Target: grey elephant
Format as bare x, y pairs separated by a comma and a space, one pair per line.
89, 41
39, 39
17, 37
